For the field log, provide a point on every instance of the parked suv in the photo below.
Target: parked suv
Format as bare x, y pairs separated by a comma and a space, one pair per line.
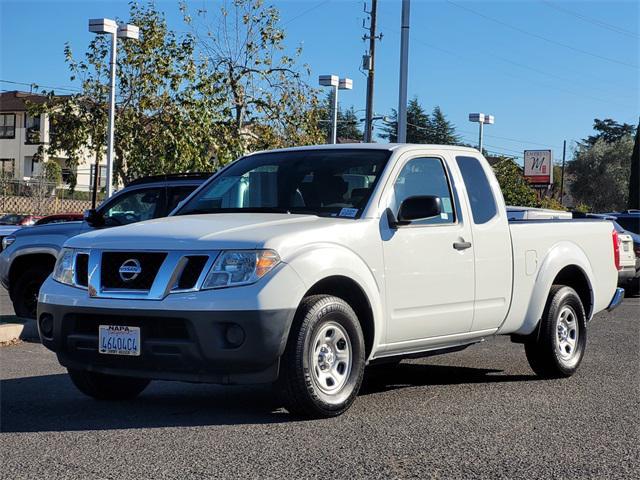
29, 255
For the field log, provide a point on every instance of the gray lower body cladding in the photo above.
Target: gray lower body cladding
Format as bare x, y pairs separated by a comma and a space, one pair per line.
226, 347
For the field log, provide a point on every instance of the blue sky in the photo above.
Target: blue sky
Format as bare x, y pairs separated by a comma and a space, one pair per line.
545, 69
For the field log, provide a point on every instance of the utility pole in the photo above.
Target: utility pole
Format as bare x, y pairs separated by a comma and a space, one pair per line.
564, 153
369, 62
404, 70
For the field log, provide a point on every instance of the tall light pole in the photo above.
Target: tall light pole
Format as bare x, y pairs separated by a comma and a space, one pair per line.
481, 119
404, 71
336, 83
103, 26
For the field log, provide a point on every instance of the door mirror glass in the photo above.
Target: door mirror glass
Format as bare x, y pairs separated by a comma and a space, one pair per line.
93, 217
419, 207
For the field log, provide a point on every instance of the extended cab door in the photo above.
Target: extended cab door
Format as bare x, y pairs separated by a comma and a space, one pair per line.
429, 266
491, 243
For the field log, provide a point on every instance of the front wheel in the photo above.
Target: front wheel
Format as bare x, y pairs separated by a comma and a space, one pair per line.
26, 289
324, 360
557, 347
107, 387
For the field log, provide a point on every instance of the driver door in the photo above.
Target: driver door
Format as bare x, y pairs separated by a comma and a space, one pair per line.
429, 278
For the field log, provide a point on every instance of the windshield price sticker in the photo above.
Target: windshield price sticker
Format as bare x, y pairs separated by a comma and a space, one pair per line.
348, 212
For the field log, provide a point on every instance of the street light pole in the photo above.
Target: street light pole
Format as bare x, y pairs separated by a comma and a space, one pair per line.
404, 70
336, 83
107, 26
481, 119
112, 113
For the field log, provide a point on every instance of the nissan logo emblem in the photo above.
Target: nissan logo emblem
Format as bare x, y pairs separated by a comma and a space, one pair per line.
130, 270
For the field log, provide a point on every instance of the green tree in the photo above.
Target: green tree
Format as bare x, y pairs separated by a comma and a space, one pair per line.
348, 123
601, 174
167, 111
418, 125
441, 131
634, 173
515, 189
608, 130
266, 101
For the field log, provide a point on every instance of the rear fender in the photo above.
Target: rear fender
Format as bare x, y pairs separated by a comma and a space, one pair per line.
561, 255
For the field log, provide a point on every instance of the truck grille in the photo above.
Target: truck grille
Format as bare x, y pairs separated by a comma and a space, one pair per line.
192, 271
82, 269
149, 262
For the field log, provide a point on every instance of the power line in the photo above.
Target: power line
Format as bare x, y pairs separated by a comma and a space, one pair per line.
540, 37
302, 14
464, 60
34, 84
593, 21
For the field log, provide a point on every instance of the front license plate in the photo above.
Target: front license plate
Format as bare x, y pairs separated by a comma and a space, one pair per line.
119, 340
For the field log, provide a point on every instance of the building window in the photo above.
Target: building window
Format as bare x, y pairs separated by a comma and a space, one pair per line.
7, 125
7, 168
102, 181
32, 127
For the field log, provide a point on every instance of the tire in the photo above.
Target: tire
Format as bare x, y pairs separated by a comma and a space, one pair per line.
25, 291
324, 360
557, 347
107, 387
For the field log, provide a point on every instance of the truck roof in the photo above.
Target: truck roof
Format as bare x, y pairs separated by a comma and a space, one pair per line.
373, 146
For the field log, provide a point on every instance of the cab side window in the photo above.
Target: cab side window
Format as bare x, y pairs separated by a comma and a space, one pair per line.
483, 204
424, 176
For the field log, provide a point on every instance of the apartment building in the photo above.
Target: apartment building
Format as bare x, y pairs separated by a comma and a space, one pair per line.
21, 135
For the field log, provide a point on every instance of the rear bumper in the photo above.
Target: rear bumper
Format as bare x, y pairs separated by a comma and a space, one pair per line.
617, 299
194, 346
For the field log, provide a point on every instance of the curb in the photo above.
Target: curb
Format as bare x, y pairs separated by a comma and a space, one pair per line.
14, 328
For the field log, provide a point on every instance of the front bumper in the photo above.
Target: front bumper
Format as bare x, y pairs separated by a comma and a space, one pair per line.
181, 345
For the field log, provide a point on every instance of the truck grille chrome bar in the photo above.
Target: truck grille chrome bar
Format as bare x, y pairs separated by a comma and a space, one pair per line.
144, 275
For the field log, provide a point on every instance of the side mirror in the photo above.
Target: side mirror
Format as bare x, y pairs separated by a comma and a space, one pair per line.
93, 218
420, 207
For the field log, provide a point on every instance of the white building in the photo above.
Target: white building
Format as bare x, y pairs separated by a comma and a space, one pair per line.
21, 135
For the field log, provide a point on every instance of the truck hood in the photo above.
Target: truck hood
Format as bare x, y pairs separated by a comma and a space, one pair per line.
63, 228
207, 232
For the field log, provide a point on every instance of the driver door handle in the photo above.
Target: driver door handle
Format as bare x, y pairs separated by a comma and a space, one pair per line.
461, 245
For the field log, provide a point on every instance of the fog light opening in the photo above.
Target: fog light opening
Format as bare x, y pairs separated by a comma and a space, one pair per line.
234, 335
46, 325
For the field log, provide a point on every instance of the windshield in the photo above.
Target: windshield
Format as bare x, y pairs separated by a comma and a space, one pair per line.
318, 182
11, 219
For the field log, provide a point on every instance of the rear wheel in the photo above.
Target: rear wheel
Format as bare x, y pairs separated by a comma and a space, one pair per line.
324, 360
107, 387
25, 291
557, 347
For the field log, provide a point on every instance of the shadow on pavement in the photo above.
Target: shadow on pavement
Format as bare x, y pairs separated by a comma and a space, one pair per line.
51, 402
382, 378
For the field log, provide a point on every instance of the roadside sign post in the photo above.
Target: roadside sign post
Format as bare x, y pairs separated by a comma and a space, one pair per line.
538, 167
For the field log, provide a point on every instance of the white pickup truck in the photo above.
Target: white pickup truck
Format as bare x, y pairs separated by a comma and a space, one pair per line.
302, 266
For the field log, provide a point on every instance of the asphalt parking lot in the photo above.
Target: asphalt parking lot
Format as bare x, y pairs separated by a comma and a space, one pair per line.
476, 413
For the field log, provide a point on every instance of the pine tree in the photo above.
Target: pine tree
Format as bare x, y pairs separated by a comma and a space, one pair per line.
442, 132
418, 124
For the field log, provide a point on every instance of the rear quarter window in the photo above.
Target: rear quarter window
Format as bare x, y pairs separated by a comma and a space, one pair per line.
483, 203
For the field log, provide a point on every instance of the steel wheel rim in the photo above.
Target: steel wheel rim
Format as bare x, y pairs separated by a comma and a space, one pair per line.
331, 358
567, 333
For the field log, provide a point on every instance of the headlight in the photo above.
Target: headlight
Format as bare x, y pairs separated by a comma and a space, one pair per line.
63, 271
6, 241
240, 267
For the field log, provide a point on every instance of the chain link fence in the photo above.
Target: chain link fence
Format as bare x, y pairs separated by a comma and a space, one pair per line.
40, 197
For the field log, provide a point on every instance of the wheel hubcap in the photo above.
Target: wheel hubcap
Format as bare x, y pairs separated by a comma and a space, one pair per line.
567, 333
331, 357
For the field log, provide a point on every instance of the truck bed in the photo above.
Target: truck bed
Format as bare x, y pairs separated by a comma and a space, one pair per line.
536, 246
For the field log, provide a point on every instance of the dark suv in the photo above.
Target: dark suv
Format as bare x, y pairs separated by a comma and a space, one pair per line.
28, 255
